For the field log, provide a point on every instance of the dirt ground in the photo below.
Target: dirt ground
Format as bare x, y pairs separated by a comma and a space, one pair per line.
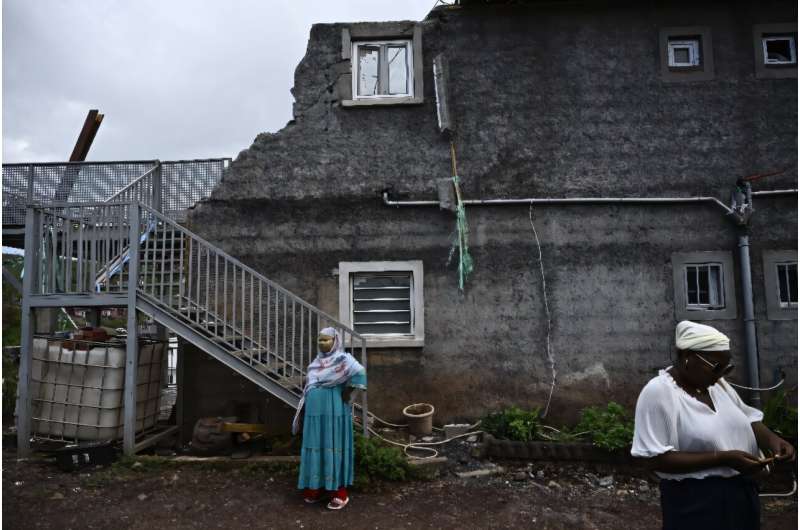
148, 494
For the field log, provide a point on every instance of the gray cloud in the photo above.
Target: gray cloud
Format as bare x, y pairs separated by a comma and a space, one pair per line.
175, 79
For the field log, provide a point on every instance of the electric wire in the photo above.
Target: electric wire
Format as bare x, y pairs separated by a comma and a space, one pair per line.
550, 358
773, 387
789, 494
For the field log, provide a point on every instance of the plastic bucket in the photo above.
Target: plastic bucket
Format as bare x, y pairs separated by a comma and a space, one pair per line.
420, 418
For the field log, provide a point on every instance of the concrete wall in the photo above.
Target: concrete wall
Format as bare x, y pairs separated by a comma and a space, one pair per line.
548, 102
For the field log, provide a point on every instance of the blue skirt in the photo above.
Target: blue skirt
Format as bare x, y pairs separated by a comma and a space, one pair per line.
326, 460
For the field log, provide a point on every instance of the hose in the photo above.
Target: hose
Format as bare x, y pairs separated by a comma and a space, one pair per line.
416, 446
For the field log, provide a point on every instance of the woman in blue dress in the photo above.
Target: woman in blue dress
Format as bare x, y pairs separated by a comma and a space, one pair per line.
326, 461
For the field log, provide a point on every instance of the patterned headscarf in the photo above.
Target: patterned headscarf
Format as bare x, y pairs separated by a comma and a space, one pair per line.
328, 370
699, 337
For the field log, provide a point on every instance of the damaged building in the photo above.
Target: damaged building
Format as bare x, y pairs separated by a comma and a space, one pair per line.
622, 166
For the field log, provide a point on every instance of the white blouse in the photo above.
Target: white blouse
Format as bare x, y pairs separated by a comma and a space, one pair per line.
669, 419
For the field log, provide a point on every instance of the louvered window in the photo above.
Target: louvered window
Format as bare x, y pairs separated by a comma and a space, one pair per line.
382, 303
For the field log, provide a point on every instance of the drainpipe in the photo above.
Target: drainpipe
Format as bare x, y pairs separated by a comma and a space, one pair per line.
742, 205
753, 379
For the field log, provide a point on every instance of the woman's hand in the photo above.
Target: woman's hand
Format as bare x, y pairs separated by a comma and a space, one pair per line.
769, 441
742, 461
781, 449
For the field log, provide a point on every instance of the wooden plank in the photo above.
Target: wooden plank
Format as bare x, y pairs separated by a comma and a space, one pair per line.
243, 427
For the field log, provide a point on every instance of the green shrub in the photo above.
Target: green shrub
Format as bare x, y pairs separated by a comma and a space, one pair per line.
375, 460
610, 428
514, 423
779, 416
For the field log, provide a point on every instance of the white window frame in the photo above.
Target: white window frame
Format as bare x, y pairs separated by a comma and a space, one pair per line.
417, 336
686, 311
383, 45
720, 274
792, 50
693, 45
779, 275
772, 260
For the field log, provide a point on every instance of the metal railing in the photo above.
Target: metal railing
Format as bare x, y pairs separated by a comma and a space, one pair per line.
64, 182
182, 184
74, 243
253, 318
245, 314
146, 189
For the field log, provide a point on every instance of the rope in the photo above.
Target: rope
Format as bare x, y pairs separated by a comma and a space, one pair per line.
550, 358
465, 264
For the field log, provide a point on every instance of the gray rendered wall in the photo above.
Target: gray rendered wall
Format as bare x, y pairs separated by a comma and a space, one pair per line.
547, 102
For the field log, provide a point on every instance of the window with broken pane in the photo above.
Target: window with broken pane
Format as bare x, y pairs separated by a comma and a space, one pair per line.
383, 69
704, 286
368, 62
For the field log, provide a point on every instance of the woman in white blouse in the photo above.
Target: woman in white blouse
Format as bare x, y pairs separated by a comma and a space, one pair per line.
701, 439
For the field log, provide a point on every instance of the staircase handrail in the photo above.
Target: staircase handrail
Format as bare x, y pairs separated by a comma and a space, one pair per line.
152, 177
177, 227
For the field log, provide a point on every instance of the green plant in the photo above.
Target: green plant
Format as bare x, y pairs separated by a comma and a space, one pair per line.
779, 416
514, 423
610, 428
374, 460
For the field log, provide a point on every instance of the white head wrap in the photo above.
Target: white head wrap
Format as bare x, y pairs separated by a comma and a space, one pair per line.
699, 337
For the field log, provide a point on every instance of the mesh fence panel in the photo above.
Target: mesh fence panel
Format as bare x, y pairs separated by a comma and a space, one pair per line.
183, 183
187, 181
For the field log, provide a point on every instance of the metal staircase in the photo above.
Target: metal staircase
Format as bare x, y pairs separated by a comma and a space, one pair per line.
126, 252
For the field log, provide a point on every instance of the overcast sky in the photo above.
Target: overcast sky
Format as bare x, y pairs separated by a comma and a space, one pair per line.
176, 79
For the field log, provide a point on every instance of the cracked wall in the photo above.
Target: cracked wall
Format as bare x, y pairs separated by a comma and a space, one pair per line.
548, 101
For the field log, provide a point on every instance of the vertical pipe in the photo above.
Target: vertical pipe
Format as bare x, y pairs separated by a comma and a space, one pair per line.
132, 353
26, 338
753, 379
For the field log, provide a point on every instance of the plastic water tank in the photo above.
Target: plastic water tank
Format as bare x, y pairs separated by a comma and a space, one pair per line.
77, 394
